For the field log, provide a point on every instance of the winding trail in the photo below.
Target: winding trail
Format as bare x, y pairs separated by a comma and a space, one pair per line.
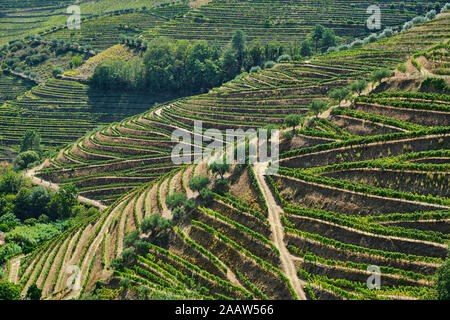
275, 211
55, 187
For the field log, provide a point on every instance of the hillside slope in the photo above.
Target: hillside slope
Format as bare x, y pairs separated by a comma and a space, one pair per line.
359, 186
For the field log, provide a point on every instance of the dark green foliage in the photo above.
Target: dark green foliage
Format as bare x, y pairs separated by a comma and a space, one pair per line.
61, 203
178, 213
220, 169
339, 94
238, 44
25, 159
184, 67
207, 195
8, 220
9, 291
130, 239
155, 223
306, 49
30, 141
198, 182
176, 200
34, 293
328, 40
442, 284
437, 85
317, 106
9, 250
22, 204
358, 86
380, 74
117, 264
128, 256
293, 120
221, 185
57, 71
317, 35
11, 182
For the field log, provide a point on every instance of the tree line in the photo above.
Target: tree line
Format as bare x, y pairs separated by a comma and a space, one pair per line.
190, 67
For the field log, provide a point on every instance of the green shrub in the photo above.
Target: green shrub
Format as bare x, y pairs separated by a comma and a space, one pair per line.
9, 291
198, 182
434, 85
176, 200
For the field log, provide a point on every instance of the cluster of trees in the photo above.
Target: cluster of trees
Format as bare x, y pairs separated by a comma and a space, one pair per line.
442, 281
152, 229
184, 67
200, 184
29, 215
189, 67
11, 291
19, 201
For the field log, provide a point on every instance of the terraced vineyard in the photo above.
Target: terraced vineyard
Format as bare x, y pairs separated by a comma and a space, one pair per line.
31, 17
62, 111
283, 21
12, 87
103, 32
361, 185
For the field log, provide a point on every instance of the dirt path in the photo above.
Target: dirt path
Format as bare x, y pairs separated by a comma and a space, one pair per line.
55, 187
275, 211
14, 272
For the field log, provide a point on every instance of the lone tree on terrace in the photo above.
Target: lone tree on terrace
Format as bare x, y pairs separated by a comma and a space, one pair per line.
30, 141
198, 183
378, 75
176, 200
339, 94
317, 35
238, 44
358, 86
317, 106
155, 223
220, 169
305, 49
293, 120
34, 293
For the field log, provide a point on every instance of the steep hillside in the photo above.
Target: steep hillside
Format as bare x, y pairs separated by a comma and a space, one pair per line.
283, 21
265, 21
103, 31
19, 19
63, 110
362, 185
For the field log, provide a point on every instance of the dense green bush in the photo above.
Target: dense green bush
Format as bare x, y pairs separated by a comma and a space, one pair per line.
9, 291
25, 159
434, 85
198, 182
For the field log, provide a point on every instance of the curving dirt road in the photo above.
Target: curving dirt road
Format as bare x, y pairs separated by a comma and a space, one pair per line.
31, 173
275, 211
